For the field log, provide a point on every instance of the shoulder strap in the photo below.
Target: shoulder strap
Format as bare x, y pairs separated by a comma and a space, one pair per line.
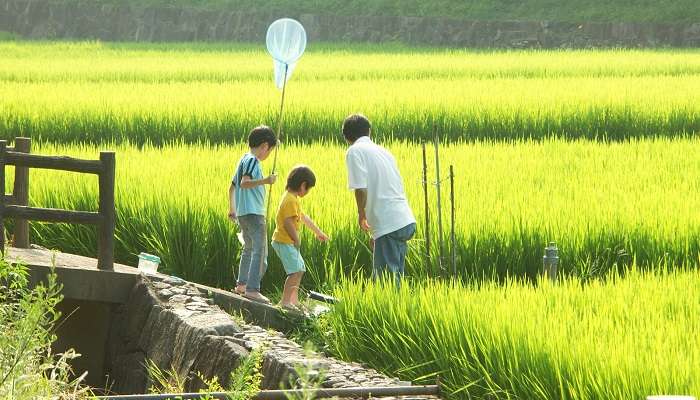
245, 169
251, 167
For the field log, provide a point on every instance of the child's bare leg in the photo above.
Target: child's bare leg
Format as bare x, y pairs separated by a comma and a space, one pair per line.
287, 292
295, 283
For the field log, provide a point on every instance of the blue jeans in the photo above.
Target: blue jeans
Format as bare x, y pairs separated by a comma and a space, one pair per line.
390, 252
254, 255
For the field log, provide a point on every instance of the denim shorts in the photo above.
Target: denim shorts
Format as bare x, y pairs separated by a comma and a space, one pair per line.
390, 252
290, 256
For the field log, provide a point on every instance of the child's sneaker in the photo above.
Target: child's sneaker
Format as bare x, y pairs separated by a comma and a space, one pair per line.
257, 296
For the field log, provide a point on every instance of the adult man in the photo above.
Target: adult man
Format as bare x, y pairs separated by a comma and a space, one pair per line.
382, 207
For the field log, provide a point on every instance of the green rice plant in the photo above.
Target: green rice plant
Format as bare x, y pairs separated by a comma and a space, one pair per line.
243, 383
28, 318
94, 92
606, 206
608, 339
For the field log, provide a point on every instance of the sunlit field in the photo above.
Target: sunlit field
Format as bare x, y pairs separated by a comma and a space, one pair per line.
606, 205
612, 339
95, 92
596, 150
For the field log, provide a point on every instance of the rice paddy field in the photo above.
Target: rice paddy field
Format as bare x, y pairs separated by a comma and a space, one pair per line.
593, 199
596, 150
95, 92
618, 339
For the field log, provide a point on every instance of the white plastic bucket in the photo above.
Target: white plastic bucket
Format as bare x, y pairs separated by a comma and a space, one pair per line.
148, 263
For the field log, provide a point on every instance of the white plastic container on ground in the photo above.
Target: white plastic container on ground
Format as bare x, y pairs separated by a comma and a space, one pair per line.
148, 263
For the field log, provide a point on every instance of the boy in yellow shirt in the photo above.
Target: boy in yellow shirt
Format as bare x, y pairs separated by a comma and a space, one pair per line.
286, 240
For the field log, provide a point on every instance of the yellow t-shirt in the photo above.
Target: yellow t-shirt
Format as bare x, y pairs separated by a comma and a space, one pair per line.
289, 207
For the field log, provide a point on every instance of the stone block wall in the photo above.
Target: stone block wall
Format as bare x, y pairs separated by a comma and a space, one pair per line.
175, 325
47, 20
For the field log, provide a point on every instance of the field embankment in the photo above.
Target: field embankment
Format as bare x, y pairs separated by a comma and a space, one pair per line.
528, 10
451, 23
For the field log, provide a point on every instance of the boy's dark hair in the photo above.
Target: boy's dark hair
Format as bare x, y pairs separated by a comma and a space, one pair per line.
355, 126
299, 175
262, 134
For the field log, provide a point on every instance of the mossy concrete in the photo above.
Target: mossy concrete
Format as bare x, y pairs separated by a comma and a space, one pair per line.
44, 19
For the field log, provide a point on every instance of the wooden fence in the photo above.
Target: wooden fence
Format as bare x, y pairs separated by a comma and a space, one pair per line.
16, 205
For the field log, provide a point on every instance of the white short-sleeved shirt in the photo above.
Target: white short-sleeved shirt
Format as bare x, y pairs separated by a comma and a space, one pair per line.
372, 167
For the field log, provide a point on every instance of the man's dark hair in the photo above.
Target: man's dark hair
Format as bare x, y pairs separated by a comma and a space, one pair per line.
299, 175
355, 126
262, 134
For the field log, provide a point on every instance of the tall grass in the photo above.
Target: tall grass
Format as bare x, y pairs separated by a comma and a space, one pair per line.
28, 319
612, 339
95, 92
606, 205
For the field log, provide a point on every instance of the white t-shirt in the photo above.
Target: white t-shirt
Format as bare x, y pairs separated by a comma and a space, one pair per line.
373, 168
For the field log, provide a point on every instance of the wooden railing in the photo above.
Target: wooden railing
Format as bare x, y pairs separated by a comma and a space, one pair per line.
16, 205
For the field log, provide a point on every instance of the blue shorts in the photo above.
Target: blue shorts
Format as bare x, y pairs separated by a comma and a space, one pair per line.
290, 256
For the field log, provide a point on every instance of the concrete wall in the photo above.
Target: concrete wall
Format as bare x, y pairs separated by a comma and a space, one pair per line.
117, 320
83, 327
175, 325
43, 19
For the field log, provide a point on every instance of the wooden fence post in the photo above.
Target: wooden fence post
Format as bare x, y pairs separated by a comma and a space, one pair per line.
20, 193
105, 242
3, 146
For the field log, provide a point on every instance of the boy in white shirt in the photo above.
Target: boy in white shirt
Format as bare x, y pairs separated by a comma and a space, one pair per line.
382, 207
